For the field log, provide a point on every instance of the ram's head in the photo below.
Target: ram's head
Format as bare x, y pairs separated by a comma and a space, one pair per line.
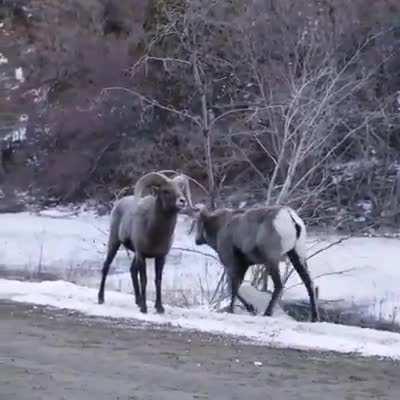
173, 194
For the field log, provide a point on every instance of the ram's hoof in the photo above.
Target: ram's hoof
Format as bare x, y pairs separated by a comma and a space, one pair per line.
315, 318
251, 309
160, 309
143, 309
226, 309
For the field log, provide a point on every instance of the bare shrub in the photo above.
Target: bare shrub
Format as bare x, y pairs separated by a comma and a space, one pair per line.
276, 99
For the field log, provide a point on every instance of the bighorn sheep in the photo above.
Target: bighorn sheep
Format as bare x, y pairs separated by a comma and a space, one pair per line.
145, 224
257, 236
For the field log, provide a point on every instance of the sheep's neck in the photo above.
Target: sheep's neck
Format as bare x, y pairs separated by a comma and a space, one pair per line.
213, 227
162, 224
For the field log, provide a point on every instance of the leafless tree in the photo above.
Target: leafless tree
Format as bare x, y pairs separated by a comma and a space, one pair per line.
195, 32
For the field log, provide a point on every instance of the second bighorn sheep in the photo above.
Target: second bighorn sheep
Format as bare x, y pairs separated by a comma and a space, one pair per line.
145, 224
257, 236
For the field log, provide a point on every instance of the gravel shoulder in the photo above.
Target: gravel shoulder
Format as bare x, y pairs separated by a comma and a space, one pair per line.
58, 355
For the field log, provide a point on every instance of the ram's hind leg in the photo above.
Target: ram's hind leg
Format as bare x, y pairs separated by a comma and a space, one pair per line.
113, 247
276, 294
234, 286
249, 307
301, 267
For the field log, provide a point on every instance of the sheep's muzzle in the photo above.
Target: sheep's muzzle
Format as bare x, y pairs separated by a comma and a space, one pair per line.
181, 203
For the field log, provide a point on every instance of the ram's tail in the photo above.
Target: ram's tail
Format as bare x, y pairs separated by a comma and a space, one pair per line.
301, 234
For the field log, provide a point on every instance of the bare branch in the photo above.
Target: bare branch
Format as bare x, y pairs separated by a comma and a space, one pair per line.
341, 272
196, 252
230, 112
155, 103
219, 287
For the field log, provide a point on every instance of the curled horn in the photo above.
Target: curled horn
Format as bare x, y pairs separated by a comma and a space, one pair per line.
148, 180
189, 178
183, 183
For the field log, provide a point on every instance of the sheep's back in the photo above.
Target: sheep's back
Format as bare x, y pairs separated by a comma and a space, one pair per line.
129, 214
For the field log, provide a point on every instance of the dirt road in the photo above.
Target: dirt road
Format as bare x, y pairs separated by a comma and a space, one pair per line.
55, 355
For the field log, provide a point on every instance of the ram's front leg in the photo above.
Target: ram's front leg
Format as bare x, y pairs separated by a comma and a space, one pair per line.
141, 265
236, 275
278, 287
135, 281
159, 264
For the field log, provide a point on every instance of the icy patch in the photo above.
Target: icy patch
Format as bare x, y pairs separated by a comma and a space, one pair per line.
57, 213
275, 332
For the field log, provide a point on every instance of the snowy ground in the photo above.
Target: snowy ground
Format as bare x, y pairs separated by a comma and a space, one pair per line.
277, 331
72, 248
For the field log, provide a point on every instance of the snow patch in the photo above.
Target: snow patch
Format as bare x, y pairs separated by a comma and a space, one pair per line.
18, 135
3, 59
19, 74
71, 245
276, 332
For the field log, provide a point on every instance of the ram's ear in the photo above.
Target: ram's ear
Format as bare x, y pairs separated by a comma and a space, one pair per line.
203, 210
197, 211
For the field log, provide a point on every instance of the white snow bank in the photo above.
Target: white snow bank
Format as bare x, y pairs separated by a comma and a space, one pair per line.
32, 241
73, 247
360, 271
275, 332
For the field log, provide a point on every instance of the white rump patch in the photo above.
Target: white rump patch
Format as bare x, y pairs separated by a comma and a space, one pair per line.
286, 228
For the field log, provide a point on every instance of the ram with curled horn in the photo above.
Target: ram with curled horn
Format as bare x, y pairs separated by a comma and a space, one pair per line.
145, 223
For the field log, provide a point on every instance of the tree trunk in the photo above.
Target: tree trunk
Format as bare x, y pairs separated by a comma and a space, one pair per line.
210, 170
206, 132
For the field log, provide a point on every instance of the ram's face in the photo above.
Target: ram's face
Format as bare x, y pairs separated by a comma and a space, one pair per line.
171, 198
